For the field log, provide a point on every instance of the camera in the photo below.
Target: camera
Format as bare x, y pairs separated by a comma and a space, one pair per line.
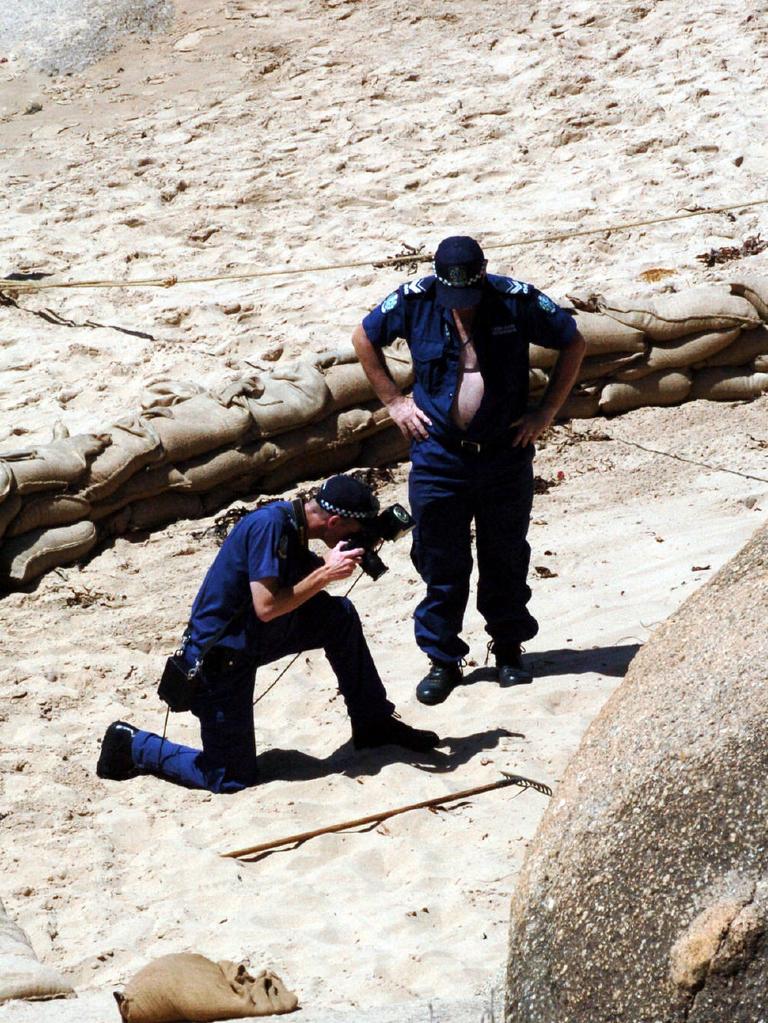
390, 524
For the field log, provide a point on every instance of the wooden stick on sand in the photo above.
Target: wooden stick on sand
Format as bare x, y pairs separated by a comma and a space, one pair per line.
382, 815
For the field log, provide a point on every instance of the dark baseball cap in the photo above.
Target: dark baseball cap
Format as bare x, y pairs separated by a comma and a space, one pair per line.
460, 272
348, 497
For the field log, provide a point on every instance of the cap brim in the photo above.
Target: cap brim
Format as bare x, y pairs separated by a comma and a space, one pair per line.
458, 298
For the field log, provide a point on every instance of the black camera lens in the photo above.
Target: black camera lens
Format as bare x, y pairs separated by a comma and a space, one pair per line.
372, 565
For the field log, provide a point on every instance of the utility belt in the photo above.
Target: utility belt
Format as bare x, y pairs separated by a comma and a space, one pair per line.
463, 446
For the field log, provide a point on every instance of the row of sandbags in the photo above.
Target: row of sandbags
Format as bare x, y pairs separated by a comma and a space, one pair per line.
190, 451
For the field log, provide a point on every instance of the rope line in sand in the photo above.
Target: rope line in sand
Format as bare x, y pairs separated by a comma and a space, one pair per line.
404, 260
382, 815
689, 461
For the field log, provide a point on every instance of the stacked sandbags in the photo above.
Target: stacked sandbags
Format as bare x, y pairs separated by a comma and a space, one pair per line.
183, 453
22, 975
188, 450
663, 350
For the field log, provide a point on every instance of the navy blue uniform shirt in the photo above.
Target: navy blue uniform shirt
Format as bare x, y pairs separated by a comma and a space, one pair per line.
264, 544
511, 316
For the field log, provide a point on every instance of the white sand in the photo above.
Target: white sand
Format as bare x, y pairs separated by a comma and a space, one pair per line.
317, 134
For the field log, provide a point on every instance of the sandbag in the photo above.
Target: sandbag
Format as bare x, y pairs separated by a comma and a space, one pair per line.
148, 482
165, 508
53, 466
581, 404
10, 506
22, 975
677, 314
603, 334
537, 380
348, 385
680, 354
10, 502
25, 557
729, 384
134, 444
311, 465
656, 389
597, 366
744, 349
212, 470
760, 364
754, 288
198, 425
49, 510
291, 396
191, 987
385, 448
541, 358
163, 392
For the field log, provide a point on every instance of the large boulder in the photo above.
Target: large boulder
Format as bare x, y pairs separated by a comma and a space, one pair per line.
645, 894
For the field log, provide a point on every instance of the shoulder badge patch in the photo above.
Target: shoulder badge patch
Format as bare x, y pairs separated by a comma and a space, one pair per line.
389, 302
546, 303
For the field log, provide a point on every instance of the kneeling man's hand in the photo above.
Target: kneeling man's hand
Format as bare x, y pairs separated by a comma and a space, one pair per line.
341, 563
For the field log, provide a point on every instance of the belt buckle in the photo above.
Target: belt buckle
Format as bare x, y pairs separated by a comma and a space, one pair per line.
470, 445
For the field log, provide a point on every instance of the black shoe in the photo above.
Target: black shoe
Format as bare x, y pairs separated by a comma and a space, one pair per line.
116, 759
393, 732
509, 665
440, 681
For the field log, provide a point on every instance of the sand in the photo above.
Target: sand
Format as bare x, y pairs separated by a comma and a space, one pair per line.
289, 134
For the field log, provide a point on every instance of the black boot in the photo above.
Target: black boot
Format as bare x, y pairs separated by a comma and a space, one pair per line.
392, 731
509, 664
439, 682
116, 759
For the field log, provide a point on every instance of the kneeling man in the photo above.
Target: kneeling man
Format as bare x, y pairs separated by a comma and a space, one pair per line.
262, 598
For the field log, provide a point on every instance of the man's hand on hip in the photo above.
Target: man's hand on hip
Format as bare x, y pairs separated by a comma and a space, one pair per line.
340, 564
411, 421
530, 427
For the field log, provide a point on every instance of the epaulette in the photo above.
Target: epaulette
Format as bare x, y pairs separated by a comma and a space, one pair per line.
508, 285
415, 289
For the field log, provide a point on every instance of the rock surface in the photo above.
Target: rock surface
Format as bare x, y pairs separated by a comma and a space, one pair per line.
645, 895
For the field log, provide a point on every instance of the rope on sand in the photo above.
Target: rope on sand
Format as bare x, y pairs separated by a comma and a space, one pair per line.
376, 818
399, 261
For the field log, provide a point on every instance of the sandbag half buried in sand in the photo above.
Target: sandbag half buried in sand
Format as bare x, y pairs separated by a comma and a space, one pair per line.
187, 986
25, 557
656, 389
695, 310
22, 975
725, 383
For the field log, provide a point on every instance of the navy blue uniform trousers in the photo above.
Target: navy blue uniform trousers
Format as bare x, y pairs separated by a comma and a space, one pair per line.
449, 488
224, 705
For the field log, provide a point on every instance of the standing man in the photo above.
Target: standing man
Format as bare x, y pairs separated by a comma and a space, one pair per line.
263, 598
472, 439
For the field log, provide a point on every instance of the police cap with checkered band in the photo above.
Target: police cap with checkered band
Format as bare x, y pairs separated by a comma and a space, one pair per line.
459, 272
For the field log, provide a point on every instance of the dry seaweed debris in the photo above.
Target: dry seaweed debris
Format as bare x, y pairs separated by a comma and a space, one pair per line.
751, 246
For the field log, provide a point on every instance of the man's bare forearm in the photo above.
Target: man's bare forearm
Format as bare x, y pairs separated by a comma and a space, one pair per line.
564, 376
270, 603
375, 367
